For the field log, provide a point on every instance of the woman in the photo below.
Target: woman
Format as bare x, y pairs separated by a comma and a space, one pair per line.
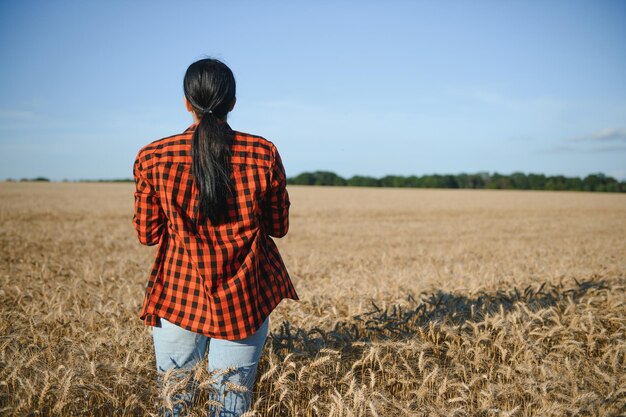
211, 197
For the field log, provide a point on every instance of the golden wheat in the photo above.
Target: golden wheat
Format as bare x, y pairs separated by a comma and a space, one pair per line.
413, 303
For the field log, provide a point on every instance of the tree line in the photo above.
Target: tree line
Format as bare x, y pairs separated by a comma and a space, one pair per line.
480, 180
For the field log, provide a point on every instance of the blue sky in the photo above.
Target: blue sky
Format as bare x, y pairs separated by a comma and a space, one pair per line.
355, 87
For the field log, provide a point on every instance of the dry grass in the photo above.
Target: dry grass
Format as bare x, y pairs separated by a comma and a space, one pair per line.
413, 302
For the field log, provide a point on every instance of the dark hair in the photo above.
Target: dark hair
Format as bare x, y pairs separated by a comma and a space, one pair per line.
209, 87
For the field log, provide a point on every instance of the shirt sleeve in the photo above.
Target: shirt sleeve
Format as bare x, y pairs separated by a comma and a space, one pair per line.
276, 213
148, 218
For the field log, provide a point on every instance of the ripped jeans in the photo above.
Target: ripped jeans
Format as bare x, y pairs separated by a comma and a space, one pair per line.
178, 348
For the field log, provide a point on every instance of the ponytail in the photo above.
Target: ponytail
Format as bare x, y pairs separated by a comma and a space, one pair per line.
210, 88
211, 168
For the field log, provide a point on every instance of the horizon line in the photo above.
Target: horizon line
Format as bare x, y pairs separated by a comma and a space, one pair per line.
482, 172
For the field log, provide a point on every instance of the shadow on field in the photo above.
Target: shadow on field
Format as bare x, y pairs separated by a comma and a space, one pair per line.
401, 322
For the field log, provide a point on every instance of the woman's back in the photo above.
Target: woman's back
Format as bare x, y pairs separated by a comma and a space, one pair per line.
219, 279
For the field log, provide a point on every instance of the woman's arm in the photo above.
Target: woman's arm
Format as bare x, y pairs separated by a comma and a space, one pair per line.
148, 218
276, 210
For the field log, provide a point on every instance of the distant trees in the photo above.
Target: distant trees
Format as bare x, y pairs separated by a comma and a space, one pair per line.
479, 180
361, 181
36, 179
318, 178
484, 180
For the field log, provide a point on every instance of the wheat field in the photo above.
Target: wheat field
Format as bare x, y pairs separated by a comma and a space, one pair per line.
414, 302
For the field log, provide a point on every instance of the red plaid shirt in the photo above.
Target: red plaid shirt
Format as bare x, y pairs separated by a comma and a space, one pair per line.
224, 280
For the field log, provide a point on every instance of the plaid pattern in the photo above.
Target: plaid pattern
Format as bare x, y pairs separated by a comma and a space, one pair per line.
221, 281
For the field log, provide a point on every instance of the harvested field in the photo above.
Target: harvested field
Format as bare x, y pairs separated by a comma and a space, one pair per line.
413, 303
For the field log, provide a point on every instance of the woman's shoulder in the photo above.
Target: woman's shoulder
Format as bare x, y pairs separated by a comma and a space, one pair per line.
175, 144
254, 145
249, 139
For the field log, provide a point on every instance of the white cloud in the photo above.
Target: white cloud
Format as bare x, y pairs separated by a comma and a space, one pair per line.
603, 135
608, 140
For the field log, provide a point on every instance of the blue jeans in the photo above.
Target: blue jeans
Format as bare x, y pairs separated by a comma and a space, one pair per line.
178, 348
